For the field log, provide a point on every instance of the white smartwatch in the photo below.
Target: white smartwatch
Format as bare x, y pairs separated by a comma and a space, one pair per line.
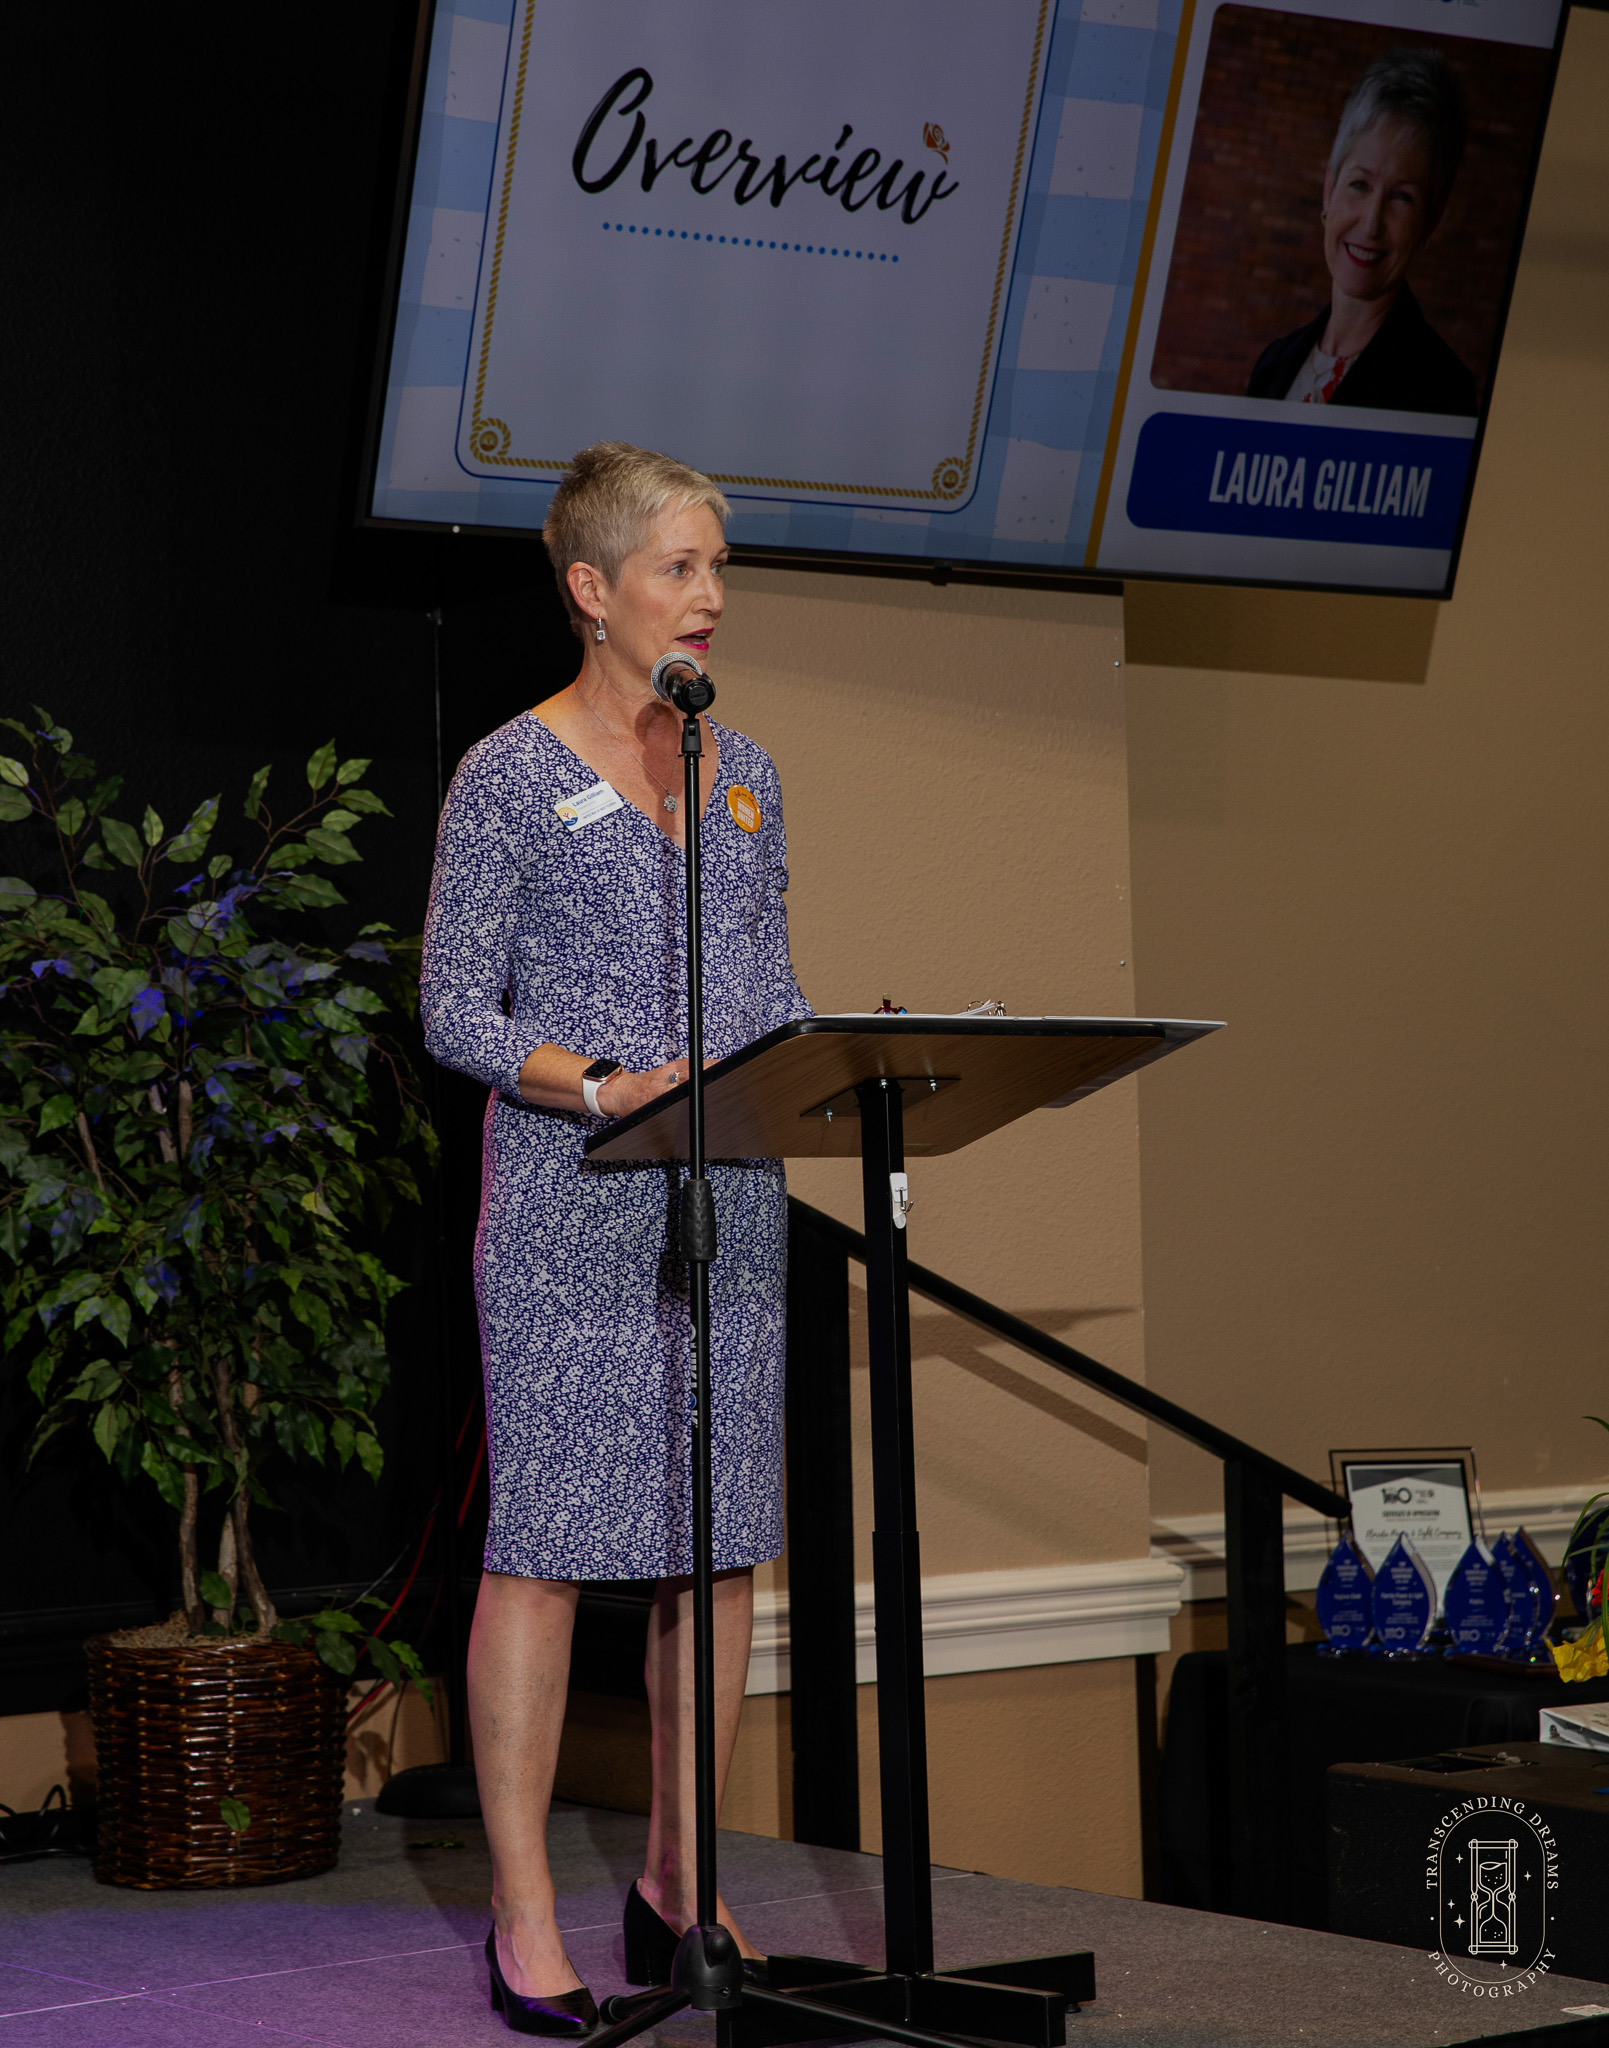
592, 1080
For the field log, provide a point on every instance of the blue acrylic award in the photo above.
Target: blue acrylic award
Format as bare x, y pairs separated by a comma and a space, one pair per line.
1531, 1598
1404, 1602
1345, 1609
1534, 1600
1476, 1605
1518, 1617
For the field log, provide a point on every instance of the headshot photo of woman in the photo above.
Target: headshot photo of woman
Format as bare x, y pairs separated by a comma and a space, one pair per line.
554, 971
1391, 170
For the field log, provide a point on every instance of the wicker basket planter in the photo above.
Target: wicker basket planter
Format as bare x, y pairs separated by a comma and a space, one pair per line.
179, 1727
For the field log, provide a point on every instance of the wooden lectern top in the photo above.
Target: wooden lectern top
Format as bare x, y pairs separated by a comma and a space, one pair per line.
790, 1095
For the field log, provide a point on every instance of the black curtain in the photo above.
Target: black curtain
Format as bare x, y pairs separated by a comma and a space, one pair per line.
197, 201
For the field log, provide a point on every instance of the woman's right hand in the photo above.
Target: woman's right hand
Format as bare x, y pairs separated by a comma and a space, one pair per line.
624, 1092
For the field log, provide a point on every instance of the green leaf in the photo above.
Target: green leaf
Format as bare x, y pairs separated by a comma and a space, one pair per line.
321, 767
59, 1110
312, 1310
191, 841
13, 771
386, 1661
310, 892
169, 1481
336, 1620
286, 1631
151, 827
99, 912
234, 1813
338, 1652
88, 1024
109, 1424
363, 1000
122, 842
254, 793
370, 1455
15, 893
408, 1658
95, 855
215, 1590
364, 800
13, 805
349, 771
334, 848
186, 939
118, 986
71, 817
103, 794
115, 1318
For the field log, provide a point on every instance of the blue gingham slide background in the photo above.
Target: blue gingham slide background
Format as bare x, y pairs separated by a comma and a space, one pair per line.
1072, 281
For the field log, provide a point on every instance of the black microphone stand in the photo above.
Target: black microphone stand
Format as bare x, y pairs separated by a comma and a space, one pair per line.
708, 1971
1022, 2002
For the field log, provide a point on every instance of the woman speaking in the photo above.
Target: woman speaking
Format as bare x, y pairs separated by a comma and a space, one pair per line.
555, 971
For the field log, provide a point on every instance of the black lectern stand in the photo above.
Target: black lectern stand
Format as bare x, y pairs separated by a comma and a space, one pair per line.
887, 1087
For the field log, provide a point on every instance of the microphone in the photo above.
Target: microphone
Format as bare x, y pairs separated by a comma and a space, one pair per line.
679, 680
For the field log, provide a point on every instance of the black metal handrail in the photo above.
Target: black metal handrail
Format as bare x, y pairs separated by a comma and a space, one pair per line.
1132, 1393
820, 1527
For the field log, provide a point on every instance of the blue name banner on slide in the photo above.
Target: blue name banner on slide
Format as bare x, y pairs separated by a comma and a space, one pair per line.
1197, 473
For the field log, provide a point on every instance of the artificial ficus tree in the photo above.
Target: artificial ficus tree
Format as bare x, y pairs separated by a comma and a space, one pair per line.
188, 1133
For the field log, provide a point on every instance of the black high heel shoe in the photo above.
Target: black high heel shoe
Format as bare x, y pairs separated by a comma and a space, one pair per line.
651, 1945
566, 2015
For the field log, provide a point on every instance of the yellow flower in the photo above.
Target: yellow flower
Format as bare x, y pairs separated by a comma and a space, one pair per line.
1587, 1657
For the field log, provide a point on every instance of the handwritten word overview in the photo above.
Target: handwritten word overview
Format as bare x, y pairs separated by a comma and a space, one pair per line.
854, 183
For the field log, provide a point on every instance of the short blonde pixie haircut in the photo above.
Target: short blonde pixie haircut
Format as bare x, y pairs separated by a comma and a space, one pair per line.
606, 506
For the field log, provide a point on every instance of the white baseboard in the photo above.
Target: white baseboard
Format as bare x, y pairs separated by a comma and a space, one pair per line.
1072, 1613
1196, 1542
997, 1621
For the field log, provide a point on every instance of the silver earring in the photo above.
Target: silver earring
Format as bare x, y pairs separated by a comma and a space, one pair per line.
600, 634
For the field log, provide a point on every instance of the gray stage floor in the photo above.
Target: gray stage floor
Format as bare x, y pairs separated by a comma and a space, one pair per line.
385, 1952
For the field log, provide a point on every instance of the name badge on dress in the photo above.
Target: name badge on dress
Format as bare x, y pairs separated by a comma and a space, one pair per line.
589, 805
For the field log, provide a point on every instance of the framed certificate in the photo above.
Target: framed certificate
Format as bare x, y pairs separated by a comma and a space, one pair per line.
1424, 1495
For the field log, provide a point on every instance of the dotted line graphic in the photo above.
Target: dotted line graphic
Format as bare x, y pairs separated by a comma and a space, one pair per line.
620, 227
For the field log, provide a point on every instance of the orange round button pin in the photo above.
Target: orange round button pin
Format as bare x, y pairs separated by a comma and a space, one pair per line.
741, 803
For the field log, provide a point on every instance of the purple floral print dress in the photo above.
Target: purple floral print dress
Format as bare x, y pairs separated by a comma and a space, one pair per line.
539, 934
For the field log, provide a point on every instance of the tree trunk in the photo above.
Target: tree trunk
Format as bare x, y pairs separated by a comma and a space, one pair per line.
228, 1570
256, 1591
189, 1562
240, 1507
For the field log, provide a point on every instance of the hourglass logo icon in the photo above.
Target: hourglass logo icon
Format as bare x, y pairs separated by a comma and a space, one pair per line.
1491, 1898
1492, 1862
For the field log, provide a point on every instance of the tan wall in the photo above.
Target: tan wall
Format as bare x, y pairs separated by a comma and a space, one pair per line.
1374, 835
1032, 1772
953, 765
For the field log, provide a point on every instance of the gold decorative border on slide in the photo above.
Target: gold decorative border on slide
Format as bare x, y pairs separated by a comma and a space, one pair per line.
489, 439
1142, 278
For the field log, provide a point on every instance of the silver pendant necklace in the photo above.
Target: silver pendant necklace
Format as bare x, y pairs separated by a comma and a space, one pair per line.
668, 802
